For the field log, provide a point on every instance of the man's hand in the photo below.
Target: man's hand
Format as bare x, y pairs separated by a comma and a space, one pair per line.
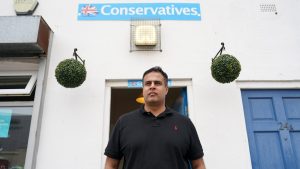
111, 163
198, 164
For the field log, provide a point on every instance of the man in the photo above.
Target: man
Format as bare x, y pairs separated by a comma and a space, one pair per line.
154, 136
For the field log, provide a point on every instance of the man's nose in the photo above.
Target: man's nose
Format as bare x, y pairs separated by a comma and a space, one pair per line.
152, 85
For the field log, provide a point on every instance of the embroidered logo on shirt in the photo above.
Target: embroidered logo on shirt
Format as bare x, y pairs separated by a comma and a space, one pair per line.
175, 127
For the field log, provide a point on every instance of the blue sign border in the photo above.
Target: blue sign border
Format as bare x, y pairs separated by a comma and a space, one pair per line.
128, 11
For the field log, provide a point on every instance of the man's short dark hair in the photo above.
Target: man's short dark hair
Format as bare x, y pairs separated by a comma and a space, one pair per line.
159, 70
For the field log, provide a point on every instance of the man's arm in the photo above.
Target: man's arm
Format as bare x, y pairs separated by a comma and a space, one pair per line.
198, 164
111, 163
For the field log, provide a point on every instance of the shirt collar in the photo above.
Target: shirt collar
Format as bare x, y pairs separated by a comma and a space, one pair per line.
167, 112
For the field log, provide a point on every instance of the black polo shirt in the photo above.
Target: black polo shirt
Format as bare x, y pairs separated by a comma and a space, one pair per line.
167, 141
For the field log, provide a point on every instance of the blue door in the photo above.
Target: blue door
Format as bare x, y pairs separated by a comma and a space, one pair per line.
273, 128
181, 103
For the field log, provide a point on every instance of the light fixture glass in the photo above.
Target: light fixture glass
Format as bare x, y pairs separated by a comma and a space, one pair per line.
145, 35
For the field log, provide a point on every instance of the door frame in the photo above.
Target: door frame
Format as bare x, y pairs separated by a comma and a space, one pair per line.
266, 85
123, 84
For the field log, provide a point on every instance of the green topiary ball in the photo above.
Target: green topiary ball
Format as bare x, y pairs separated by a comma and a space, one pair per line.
225, 68
70, 73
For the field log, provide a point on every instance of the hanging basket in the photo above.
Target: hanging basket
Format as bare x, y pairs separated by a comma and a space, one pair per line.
70, 73
225, 68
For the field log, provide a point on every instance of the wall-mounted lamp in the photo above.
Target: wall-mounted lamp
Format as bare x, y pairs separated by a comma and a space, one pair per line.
25, 7
145, 35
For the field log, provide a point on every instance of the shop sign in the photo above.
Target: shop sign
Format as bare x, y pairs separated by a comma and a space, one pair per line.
5, 117
128, 11
139, 83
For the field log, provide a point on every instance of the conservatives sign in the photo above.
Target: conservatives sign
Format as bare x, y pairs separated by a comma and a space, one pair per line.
128, 11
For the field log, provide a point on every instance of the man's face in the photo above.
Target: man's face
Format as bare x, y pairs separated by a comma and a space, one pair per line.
155, 89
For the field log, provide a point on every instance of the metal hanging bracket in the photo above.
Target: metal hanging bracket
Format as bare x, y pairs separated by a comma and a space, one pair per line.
221, 50
77, 56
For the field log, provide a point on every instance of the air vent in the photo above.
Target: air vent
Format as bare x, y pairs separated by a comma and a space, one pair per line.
268, 8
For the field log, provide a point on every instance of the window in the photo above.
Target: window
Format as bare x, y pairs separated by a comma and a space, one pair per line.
17, 93
15, 120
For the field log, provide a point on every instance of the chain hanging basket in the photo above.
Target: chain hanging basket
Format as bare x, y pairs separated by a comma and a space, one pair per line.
71, 73
225, 68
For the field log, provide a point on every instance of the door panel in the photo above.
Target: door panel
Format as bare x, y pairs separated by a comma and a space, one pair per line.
268, 143
262, 109
295, 139
292, 108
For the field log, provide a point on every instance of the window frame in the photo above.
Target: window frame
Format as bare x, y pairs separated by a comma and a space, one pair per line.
20, 92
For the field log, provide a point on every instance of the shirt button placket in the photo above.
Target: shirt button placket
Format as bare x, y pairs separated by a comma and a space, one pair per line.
155, 122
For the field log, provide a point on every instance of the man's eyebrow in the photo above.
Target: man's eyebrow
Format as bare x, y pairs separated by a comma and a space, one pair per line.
153, 81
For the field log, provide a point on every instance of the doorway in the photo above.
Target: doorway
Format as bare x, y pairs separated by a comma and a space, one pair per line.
120, 97
273, 127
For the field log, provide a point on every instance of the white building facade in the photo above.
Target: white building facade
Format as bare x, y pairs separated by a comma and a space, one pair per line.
70, 127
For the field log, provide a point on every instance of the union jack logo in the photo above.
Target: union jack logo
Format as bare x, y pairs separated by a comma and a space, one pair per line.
89, 10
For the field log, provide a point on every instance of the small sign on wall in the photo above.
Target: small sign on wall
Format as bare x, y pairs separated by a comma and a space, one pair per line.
135, 83
5, 118
139, 83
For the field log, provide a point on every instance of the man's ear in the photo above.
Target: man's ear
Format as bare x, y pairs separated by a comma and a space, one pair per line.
167, 89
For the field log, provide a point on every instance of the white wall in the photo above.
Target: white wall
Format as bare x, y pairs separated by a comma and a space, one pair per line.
266, 45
